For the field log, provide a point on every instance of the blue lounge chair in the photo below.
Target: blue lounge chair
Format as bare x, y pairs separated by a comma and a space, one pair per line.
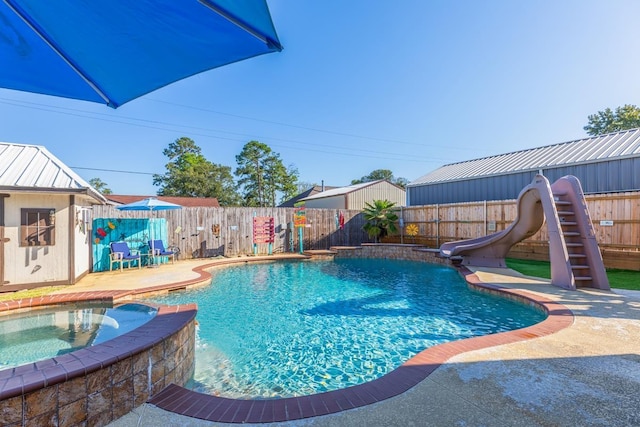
160, 251
121, 253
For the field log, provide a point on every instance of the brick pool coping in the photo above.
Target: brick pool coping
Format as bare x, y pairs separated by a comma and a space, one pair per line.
186, 402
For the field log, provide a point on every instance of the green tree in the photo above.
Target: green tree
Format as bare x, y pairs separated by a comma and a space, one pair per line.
281, 181
100, 186
381, 174
262, 175
302, 186
190, 174
401, 182
381, 219
607, 121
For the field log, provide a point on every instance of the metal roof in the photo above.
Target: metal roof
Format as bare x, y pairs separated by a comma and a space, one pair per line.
307, 193
24, 167
342, 190
588, 150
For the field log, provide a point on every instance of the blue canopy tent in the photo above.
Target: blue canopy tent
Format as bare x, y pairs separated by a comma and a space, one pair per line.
114, 51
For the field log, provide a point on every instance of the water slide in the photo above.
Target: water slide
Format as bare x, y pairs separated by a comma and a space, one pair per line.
573, 250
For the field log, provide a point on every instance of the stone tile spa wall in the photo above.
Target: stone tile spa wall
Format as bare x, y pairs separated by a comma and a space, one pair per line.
391, 251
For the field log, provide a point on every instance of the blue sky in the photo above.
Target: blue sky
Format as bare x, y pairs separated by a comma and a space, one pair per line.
364, 85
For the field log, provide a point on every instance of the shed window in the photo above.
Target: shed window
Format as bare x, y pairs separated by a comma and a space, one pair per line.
38, 227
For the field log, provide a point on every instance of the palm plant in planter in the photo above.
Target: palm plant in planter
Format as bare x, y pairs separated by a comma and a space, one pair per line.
381, 219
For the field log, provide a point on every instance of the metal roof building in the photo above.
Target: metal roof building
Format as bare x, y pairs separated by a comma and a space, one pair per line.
356, 196
45, 216
606, 163
307, 193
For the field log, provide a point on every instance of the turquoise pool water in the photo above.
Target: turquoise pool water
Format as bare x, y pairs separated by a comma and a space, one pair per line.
43, 333
298, 328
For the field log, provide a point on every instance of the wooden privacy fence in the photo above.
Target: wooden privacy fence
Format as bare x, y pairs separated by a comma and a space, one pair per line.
208, 232
615, 217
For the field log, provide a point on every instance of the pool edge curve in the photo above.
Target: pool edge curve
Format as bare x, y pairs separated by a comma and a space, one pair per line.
182, 401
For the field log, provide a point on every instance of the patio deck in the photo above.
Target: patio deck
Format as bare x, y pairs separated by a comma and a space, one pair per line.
584, 374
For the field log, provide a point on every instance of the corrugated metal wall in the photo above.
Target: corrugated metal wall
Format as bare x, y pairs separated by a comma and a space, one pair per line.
615, 175
380, 191
334, 202
473, 190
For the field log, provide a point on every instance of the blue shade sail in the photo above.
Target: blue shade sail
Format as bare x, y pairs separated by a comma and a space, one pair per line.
115, 51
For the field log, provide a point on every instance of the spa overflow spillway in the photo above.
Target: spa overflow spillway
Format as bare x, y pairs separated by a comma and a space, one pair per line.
299, 328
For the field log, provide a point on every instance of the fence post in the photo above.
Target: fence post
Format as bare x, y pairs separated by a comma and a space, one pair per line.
437, 225
485, 217
301, 238
401, 223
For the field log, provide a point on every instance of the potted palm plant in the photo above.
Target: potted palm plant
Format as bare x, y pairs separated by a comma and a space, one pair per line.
381, 219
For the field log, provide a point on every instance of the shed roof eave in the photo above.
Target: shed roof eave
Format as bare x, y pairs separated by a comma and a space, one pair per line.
61, 191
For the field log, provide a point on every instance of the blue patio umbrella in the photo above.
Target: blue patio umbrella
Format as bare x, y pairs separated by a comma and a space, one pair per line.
115, 51
150, 204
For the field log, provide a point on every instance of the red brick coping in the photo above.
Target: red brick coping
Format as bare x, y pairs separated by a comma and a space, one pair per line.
207, 407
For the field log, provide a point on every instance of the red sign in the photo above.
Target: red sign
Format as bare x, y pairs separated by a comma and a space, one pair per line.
263, 229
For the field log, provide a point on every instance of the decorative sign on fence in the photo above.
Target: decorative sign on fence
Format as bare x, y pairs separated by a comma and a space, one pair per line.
263, 232
299, 215
299, 222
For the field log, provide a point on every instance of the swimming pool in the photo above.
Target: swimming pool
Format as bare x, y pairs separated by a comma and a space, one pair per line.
39, 334
299, 328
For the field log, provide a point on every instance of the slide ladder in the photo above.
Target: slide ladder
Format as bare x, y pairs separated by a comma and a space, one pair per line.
573, 250
578, 235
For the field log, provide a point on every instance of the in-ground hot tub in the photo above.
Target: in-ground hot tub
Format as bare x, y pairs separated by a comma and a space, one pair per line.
28, 336
98, 383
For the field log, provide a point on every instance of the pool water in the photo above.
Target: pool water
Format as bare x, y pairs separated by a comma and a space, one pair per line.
40, 334
298, 328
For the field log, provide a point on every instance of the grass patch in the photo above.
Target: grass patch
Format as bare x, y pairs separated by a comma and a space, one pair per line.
620, 279
624, 279
29, 293
530, 268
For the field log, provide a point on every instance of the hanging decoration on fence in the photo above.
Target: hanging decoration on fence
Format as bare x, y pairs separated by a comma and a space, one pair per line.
412, 231
102, 232
339, 220
299, 215
300, 221
263, 232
